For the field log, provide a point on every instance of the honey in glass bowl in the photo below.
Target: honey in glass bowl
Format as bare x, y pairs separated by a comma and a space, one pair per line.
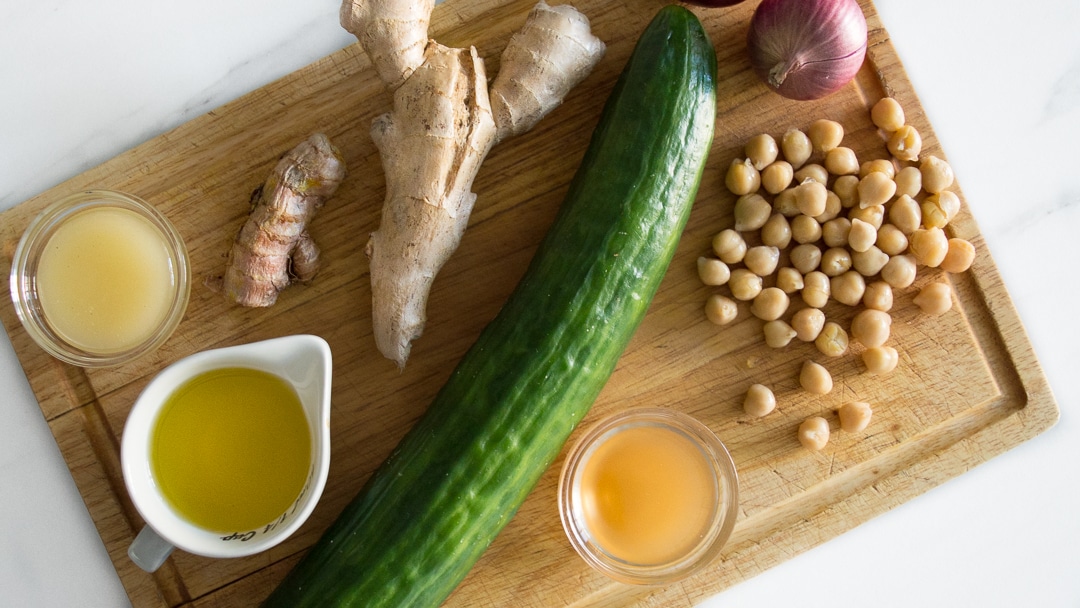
648, 496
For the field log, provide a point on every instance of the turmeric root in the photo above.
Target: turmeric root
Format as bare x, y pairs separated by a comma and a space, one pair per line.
273, 247
438, 132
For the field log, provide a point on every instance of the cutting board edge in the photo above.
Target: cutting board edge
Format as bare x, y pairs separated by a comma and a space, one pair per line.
1038, 414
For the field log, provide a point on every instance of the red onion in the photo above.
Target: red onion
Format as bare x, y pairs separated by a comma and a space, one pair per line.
807, 49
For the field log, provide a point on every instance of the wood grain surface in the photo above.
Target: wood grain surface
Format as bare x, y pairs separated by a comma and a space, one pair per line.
968, 385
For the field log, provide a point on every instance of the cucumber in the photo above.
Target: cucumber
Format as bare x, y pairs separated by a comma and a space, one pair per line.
433, 507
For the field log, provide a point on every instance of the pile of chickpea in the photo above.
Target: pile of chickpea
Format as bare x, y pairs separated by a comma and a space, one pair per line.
852, 232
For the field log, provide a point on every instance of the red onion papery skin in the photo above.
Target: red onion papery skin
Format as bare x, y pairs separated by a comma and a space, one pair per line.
807, 49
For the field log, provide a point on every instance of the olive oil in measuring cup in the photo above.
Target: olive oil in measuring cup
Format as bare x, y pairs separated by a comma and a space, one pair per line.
231, 449
226, 451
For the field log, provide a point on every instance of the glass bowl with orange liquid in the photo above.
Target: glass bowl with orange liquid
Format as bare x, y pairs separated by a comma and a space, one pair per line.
648, 496
100, 278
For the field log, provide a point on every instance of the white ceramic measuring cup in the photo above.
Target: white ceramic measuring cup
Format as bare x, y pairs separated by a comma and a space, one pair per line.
302, 360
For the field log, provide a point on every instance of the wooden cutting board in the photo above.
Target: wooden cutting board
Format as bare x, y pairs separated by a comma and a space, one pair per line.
968, 385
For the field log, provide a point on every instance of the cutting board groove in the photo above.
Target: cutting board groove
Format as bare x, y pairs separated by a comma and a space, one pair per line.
968, 386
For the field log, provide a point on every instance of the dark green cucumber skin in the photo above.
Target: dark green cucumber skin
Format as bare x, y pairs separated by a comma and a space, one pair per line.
433, 507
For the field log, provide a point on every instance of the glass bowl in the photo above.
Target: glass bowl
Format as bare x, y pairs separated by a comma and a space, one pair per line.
170, 292
648, 559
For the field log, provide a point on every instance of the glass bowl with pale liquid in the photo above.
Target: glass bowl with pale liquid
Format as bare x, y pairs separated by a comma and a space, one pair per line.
100, 278
648, 496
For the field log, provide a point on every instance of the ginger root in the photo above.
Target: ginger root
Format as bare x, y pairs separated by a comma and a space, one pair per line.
393, 34
547, 57
273, 248
441, 127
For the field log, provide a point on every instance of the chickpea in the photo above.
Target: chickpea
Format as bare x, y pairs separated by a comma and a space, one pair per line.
810, 197
789, 280
814, 378
879, 165
770, 304
720, 310
861, 236
835, 261
948, 201
751, 212
807, 323
777, 176
939, 209
933, 216
899, 272
796, 147
805, 257
870, 327
761, 150
848, 288
908, 181
841, 160
891, 240
929, 246
744, 284
905, 214
805, 229
742, 178
784, 203
833, 207
762, 260
776, 232
812, 171
937, 175
905, 143
816, 289
825, 135
814, 433
729, 246
854, 416
959, 257
887, 114
878, 296
712, 271
876, 189
835, 232
934, 299
873, 215
778, 334
846, 188
759, 401
880, 359
869, 262
832, 341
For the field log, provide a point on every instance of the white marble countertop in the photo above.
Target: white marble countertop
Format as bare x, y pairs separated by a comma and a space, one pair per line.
84, 81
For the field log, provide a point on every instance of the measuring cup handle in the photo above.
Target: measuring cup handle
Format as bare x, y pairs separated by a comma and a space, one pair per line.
149, 550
